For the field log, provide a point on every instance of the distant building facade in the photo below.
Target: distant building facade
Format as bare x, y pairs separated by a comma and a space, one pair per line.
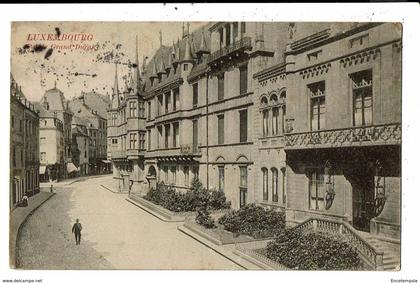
80, 149
54, 102
24, 146
93, 107
51, 145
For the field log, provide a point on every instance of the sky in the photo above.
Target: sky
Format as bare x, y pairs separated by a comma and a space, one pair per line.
79, 64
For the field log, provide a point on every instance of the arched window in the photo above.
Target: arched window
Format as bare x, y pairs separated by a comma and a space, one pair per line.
275, 184
283, 184
264, 102
283, 111
265, 183
265, 122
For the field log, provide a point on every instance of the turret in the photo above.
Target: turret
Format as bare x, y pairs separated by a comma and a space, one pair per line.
115, 102
203, 50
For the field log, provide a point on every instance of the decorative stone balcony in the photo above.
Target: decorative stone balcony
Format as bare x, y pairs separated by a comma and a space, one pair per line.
389, 134
118, 154
184, 152
237, 46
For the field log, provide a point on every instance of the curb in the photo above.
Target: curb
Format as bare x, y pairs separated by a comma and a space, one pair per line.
156, 214
239, 260
12, 260
114, 192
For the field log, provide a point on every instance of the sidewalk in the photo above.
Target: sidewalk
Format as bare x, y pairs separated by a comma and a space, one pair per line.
18, 217
110, 184
68, 182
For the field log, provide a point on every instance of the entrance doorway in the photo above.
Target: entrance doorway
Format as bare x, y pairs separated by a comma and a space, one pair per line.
151, 177
363, 186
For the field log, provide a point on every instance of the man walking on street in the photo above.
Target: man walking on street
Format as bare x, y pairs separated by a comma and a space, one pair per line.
77, 230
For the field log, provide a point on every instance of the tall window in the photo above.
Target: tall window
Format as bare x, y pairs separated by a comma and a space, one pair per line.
275, 184
186, 176
243, 185
220, 129
243, 27
316, 189
317, 96
243, 125
173, 172
176, 98
149, 139
167, 133
195, 135
265, 183
221, 178
133, 140
167, 101
195, 172
142, 112
159, 105
165, 171
142, 140
362, 98
149, 110
195, 95
133, 109
175, 134
265, 122
158, 137
283, 184
221, 86
243, 79
275, 122
283, 118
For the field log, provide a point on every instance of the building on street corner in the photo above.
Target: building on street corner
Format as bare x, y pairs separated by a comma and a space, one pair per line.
24, 146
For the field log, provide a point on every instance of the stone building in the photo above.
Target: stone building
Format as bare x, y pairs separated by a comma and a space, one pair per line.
127, 132
302, 117
343, 146
24, 146
93, 106
80, 145
55, 102
51, 145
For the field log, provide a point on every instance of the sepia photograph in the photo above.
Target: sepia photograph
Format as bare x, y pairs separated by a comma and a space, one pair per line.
206, 145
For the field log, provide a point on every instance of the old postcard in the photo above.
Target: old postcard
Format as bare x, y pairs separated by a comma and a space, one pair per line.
224, 145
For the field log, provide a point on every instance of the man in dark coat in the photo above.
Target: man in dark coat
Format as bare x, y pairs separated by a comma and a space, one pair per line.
77, 230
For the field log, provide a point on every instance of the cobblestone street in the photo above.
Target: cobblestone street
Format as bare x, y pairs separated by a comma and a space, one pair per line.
115, 235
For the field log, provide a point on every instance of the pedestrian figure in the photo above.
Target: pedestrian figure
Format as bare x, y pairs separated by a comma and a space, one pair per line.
77, 230
51, 188
25, 200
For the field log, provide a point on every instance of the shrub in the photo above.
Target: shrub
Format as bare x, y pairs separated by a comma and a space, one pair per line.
312, 251
196, 198
203, 218
218, 200
254, 221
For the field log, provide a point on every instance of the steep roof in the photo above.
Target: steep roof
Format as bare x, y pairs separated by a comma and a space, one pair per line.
43, 113
164, 52
55, 99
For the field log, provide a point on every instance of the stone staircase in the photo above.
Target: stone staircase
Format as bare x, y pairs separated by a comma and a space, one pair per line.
392, 251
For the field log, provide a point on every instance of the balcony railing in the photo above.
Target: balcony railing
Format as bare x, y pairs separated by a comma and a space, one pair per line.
118, 154
367, 252
389, 134
244, 43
